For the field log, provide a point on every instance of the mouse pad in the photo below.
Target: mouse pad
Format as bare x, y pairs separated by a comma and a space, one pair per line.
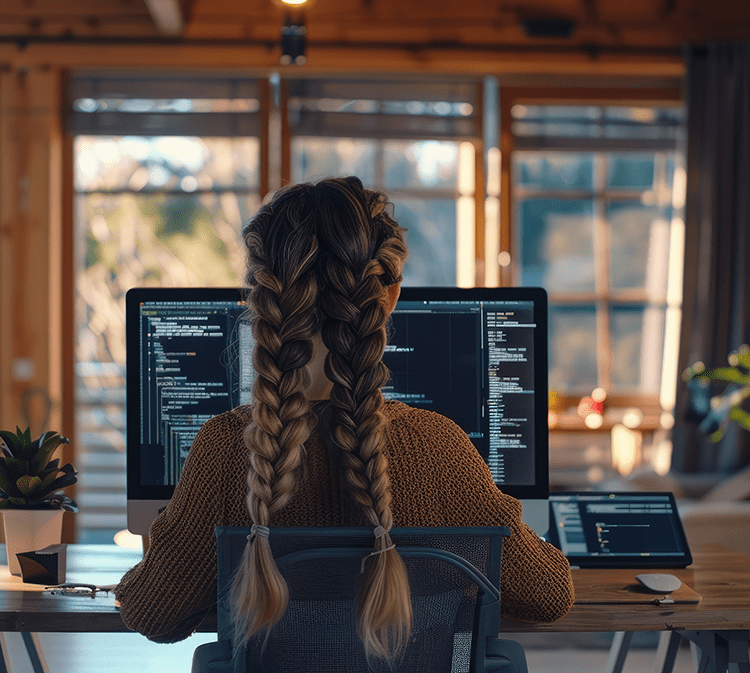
620, 587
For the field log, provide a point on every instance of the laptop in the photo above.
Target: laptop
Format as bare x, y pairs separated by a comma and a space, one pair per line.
618, 530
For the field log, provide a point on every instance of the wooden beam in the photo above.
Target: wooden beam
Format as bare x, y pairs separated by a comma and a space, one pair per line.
263, 58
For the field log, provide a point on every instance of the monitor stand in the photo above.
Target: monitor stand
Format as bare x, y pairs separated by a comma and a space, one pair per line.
536, 514
141, 514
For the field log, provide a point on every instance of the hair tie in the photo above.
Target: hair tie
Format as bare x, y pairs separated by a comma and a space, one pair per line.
379, 531
257, 529
375, 553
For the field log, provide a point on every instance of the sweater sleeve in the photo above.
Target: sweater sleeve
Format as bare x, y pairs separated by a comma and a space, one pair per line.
443, 478
168, 593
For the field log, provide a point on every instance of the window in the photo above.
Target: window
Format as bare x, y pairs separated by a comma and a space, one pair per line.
597, 195
413, 140
168, 168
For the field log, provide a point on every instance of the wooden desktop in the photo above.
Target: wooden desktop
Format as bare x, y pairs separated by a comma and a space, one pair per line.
719, 624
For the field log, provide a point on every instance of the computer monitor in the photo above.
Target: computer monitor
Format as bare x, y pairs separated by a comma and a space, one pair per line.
478, 356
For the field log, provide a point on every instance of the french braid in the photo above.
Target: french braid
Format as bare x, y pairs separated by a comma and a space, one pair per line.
283, 295
353, 302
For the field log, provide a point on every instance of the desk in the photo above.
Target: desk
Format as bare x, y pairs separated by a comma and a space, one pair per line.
719, 624
25, 608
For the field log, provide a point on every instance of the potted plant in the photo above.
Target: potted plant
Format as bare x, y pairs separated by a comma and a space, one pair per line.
31, 492
712, 410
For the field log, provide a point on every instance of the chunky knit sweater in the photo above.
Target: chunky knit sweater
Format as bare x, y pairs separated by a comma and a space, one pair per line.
437, 479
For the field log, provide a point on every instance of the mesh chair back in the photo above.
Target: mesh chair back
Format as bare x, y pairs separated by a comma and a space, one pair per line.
455, 605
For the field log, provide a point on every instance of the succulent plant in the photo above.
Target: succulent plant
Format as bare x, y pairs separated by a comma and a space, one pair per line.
28, 478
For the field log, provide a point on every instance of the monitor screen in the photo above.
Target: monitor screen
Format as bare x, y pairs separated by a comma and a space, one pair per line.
189, 357
477, 356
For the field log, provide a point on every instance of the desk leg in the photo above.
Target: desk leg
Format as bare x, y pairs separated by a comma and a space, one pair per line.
721, 651
3, 653
618, 651
669, 643
33, 649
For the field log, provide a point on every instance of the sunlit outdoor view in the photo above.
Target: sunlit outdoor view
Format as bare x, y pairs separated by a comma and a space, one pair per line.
421, 178
596, 226
150, 211
409, 139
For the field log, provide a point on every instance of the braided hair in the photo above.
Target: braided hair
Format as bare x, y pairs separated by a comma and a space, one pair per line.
320, 259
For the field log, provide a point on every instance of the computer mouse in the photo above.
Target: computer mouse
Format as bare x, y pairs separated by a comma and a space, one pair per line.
659, 583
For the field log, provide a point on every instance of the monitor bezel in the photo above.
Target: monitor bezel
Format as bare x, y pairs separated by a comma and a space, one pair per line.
540, 489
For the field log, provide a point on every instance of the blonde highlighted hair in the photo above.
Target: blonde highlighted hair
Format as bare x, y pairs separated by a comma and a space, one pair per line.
320, 259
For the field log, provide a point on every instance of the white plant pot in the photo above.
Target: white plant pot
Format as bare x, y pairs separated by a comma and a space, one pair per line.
30, 530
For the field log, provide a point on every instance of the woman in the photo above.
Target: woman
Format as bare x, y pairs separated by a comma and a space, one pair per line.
324, 267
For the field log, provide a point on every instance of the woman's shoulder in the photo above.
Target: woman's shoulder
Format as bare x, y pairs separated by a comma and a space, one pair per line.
227, 425
420, 420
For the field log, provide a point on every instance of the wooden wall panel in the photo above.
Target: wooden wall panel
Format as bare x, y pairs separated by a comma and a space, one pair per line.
31, 288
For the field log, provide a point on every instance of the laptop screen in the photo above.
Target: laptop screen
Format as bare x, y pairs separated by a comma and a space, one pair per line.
622, 530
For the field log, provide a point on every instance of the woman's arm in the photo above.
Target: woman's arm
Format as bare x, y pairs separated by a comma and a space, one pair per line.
439, 478
169, 592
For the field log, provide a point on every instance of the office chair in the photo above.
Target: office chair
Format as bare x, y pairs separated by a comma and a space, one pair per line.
456, 608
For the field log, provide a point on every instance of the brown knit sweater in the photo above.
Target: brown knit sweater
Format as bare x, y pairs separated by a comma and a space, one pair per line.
437, 479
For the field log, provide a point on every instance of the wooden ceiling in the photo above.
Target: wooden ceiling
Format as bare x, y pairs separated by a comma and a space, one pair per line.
597, 28
595, 23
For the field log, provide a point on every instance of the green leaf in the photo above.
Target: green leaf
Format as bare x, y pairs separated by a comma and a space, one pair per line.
16, 467
12, 441
725, 374
741, 417
53, 467
7, 485
48, 444
62, 482
27, 451
48, 480
29, 485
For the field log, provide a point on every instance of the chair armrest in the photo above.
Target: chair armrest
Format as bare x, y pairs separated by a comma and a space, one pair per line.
504, 655
211, 658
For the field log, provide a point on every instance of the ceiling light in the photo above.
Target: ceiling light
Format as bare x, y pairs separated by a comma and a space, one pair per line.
293, 41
